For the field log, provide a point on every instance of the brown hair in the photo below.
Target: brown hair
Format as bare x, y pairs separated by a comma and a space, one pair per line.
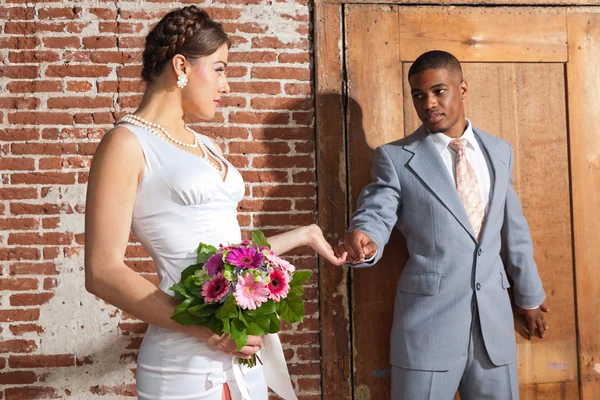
188, 31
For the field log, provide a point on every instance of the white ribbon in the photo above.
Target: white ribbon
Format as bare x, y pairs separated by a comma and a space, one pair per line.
275, 370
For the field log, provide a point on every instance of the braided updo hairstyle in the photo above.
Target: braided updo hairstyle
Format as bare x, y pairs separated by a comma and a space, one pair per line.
188, 31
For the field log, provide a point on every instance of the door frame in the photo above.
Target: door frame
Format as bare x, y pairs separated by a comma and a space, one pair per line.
583, 84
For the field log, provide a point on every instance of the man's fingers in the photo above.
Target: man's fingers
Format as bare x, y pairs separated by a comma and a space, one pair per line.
540, 327
350, 248
531, 328
544, 307
370, 249
356, 243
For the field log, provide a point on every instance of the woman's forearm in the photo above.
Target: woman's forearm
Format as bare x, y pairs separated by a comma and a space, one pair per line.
132, 293
289, 240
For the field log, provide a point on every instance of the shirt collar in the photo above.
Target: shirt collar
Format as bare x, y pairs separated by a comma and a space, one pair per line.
442, 141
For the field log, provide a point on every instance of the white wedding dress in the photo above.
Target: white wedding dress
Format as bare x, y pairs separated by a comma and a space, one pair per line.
182, 201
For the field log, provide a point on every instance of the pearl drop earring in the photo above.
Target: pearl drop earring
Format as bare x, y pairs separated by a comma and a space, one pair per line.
182, 80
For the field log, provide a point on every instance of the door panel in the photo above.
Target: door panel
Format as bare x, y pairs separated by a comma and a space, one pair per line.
509, 96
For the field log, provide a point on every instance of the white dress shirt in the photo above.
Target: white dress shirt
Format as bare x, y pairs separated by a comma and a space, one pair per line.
475, 155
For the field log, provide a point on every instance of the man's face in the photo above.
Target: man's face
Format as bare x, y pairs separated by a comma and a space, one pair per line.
437, 96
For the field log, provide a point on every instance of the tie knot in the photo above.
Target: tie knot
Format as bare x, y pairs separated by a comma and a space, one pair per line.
458, 144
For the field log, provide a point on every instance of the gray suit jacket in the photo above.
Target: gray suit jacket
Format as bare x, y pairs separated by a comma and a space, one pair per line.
447, 268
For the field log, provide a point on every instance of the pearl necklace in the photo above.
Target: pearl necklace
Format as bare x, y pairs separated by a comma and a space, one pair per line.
155, 128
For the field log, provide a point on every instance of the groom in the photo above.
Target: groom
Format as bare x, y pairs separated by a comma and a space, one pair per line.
448, 188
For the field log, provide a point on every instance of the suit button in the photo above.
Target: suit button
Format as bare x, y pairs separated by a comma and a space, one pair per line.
479, 252
478, 286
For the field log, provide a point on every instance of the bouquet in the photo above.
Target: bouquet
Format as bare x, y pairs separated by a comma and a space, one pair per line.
241, 290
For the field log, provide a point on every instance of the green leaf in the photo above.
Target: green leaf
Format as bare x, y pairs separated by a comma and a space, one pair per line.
203, 310
191, 270
214, 324
259, 239
291, 309
299, 277
192, 288
258, 325
242, 318
226, 325
274, 325
238, 333
181, 292
205, 251
228, 310
267, 307
181, 314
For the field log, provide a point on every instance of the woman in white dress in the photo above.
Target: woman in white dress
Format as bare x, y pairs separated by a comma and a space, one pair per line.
174, 189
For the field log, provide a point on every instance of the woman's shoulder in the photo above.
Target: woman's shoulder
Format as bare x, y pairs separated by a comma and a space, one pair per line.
119, 146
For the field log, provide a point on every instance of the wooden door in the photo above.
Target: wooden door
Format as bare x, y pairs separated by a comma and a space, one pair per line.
520, 65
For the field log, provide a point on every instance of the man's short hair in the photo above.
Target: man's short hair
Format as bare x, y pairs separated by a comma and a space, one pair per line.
435, 59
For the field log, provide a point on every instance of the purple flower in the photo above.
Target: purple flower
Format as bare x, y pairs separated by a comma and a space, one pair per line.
245, 257
215, 264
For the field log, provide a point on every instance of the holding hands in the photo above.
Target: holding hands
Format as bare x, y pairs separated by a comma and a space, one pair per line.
358, 246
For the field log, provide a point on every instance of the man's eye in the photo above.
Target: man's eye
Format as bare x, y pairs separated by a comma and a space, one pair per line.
441, 91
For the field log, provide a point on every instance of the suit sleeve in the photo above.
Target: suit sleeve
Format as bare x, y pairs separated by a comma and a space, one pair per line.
378, 204
517, 251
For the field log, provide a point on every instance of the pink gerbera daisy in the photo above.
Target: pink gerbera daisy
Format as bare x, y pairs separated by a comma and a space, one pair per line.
250, 294
279, 286
215, 289
215, 264
245, 257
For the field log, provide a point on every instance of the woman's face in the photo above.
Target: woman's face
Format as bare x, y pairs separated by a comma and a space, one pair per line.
206, 83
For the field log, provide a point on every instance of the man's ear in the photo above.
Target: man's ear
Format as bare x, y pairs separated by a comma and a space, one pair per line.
464, 88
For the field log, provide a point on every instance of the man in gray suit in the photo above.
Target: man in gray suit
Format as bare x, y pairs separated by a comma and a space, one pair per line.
448, 189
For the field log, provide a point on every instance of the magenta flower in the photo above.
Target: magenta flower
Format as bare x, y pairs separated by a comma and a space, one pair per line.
215, 264
215, 289
250, 294
284, 265
245, 257
279, 286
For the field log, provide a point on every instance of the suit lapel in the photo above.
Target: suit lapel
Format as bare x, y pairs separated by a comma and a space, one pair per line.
428, 166
498, 178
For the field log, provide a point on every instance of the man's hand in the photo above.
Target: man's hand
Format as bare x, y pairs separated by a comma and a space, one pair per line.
535, 320
358, 245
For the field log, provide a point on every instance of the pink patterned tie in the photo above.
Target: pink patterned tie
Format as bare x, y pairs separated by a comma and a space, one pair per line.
467, 186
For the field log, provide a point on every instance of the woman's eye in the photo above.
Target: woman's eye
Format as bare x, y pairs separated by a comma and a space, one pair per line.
220, 71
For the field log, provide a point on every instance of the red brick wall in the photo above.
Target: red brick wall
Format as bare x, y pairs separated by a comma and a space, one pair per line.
66, 73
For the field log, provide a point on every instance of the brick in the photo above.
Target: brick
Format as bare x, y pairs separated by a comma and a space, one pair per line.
77, 86
264, 205
42, 361
19, 253
298, 88
15, 284
255, 87
17, 13
259, 148
283, 219
133, 327
32, 314
253, 57
270, 118
58, 13
273, 161
58, 178
80, 71
141, 266
19, 103
50, 283
134, 42
287, 133
229, 132
281, 103
50, 253
17, 346
19, 72
44, 118
52, 238
21, 329
119, 390
32, 28
293, 58
34, 86
37, 209
33, 56
17, 42
17, 377
270, 42
31, 393
265, 176
30, 299
57, 42
12, 224
283, 191
305, 147
287, 73
43, 148
80, 102
19, 193
17, 164
304, 177
104, 13
100, 42
47, 268
303, 118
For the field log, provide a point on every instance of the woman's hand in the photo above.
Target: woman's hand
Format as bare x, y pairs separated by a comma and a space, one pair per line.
224, 344
317, 242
